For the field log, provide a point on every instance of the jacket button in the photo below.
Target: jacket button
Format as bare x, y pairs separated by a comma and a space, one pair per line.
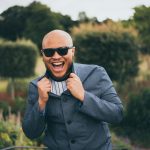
73, 141
69, 122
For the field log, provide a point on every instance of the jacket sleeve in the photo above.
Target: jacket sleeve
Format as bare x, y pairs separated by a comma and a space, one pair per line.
106, 106
34, 120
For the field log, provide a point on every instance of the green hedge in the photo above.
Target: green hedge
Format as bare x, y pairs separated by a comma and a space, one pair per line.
4, 107
138, 111
136, 123
116, 52
18, 59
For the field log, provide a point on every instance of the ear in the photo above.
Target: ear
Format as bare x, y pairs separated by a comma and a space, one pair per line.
42, 55
73, 51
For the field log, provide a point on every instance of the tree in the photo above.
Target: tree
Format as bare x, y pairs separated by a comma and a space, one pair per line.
115, 51
13, 23
66, 21
142, 23
17, 60
32, 22
83, 17
40, 21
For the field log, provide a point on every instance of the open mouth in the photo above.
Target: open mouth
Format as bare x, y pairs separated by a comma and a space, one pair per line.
58, 66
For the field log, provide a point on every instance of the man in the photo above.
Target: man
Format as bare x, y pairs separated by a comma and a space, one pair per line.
72, 103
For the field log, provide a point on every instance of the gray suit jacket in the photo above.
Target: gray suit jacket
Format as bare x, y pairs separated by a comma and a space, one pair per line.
69, 124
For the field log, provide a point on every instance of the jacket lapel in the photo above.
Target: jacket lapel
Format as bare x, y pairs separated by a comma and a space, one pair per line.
83, 71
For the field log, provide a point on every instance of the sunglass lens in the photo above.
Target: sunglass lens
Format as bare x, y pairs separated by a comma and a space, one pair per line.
48, 53
62, 51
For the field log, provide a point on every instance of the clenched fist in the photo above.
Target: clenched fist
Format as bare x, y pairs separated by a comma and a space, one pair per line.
44, 87
74, 85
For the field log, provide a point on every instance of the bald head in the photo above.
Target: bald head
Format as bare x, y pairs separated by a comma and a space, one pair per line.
57, 38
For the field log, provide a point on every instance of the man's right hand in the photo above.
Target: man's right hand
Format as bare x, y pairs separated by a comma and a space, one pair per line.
44, 87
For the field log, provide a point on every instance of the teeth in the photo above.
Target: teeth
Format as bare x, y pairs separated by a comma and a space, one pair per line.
57, 63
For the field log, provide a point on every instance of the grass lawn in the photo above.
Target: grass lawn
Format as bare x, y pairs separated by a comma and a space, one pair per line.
3, 85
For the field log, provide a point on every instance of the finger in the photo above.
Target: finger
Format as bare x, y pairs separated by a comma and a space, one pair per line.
47, 83
45, 79
69, 80
73, 75
68, 86
47, 89
48, 86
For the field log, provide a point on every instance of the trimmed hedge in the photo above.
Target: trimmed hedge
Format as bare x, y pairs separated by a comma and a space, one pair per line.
116, 52
17, 59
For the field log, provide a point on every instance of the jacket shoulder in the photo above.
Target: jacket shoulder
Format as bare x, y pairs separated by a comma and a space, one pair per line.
84, 71
90, 67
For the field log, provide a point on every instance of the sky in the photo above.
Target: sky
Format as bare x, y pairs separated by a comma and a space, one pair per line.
102, 9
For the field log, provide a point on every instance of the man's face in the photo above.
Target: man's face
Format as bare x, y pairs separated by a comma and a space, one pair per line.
58, 64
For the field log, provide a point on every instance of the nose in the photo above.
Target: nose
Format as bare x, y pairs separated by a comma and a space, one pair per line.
56, 55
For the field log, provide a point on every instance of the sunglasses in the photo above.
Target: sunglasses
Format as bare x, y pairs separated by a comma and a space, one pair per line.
49, 52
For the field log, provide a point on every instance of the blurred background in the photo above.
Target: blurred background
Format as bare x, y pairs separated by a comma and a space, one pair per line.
112, 33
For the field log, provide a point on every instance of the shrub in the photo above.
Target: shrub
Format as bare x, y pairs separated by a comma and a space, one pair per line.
136, 123
19, 105
138, 111
11, 133
4, 106
118, 143
116, 52
18, 60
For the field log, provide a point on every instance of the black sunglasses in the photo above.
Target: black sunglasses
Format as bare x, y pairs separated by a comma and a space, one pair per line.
49, 52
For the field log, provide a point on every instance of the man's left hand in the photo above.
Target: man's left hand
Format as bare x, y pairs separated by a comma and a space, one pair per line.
74, 85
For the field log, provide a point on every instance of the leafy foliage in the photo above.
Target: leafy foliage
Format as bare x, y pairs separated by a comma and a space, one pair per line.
11, 133
117, 52
18, 58
40, 22
138, 112
119, 144
19, 106
13, 23
142, 23
4, 107
136, 123
32, 22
